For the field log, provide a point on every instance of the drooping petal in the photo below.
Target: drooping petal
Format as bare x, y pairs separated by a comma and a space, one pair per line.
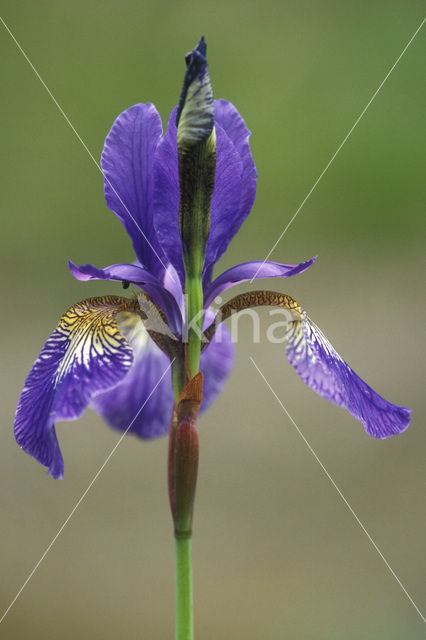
252, 270
142, 403
135, 274
127, 164
323, 369
318, 364
85, 354
233, 192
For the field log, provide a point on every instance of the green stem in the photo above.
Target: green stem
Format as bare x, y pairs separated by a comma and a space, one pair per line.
178, 377
194, 291
184, 627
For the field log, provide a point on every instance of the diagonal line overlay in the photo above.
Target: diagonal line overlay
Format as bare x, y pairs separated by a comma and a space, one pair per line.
280, 237
80, 500
80, 139
338, 490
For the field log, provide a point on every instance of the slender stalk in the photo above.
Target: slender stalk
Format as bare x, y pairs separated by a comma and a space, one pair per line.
182, 479
178, 377
196, 142
184, 626
194, 291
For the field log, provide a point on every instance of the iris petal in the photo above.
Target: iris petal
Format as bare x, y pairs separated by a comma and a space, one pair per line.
138, 275
233, 194
166, 196
216, 364
252, 270
323, 369
225, 215
127, 165
226, 220
143, 401
84, 355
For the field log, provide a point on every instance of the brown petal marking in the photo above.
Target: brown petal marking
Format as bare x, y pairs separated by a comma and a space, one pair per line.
247, 301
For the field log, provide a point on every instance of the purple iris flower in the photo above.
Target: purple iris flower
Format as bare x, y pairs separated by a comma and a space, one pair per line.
103, 355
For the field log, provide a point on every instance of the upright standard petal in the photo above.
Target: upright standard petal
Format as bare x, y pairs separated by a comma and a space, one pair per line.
323, 369
225, 225
252, 270
232, 195
127, 165
166, 197
85, 354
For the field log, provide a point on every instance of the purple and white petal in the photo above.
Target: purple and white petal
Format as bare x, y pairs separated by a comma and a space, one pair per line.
133, 273
323, 369
252, 270
172, 283
142, 403
84, 355
127, 164
141, 277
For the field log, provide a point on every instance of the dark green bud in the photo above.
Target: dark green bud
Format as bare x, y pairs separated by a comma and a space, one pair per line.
196, 140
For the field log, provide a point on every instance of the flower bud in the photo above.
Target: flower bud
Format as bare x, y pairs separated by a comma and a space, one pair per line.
196, 141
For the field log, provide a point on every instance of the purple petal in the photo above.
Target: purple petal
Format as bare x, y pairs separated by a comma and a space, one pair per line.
127, 165
227, 217
84, 355
321, 367
142, 403
216, 364
166, 196
233, 194
252, 270
122, 271
172, 283
136, 274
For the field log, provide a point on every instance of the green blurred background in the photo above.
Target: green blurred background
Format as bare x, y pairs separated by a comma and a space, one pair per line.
277, 553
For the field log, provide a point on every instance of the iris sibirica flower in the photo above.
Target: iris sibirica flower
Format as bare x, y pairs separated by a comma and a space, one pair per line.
105, 354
